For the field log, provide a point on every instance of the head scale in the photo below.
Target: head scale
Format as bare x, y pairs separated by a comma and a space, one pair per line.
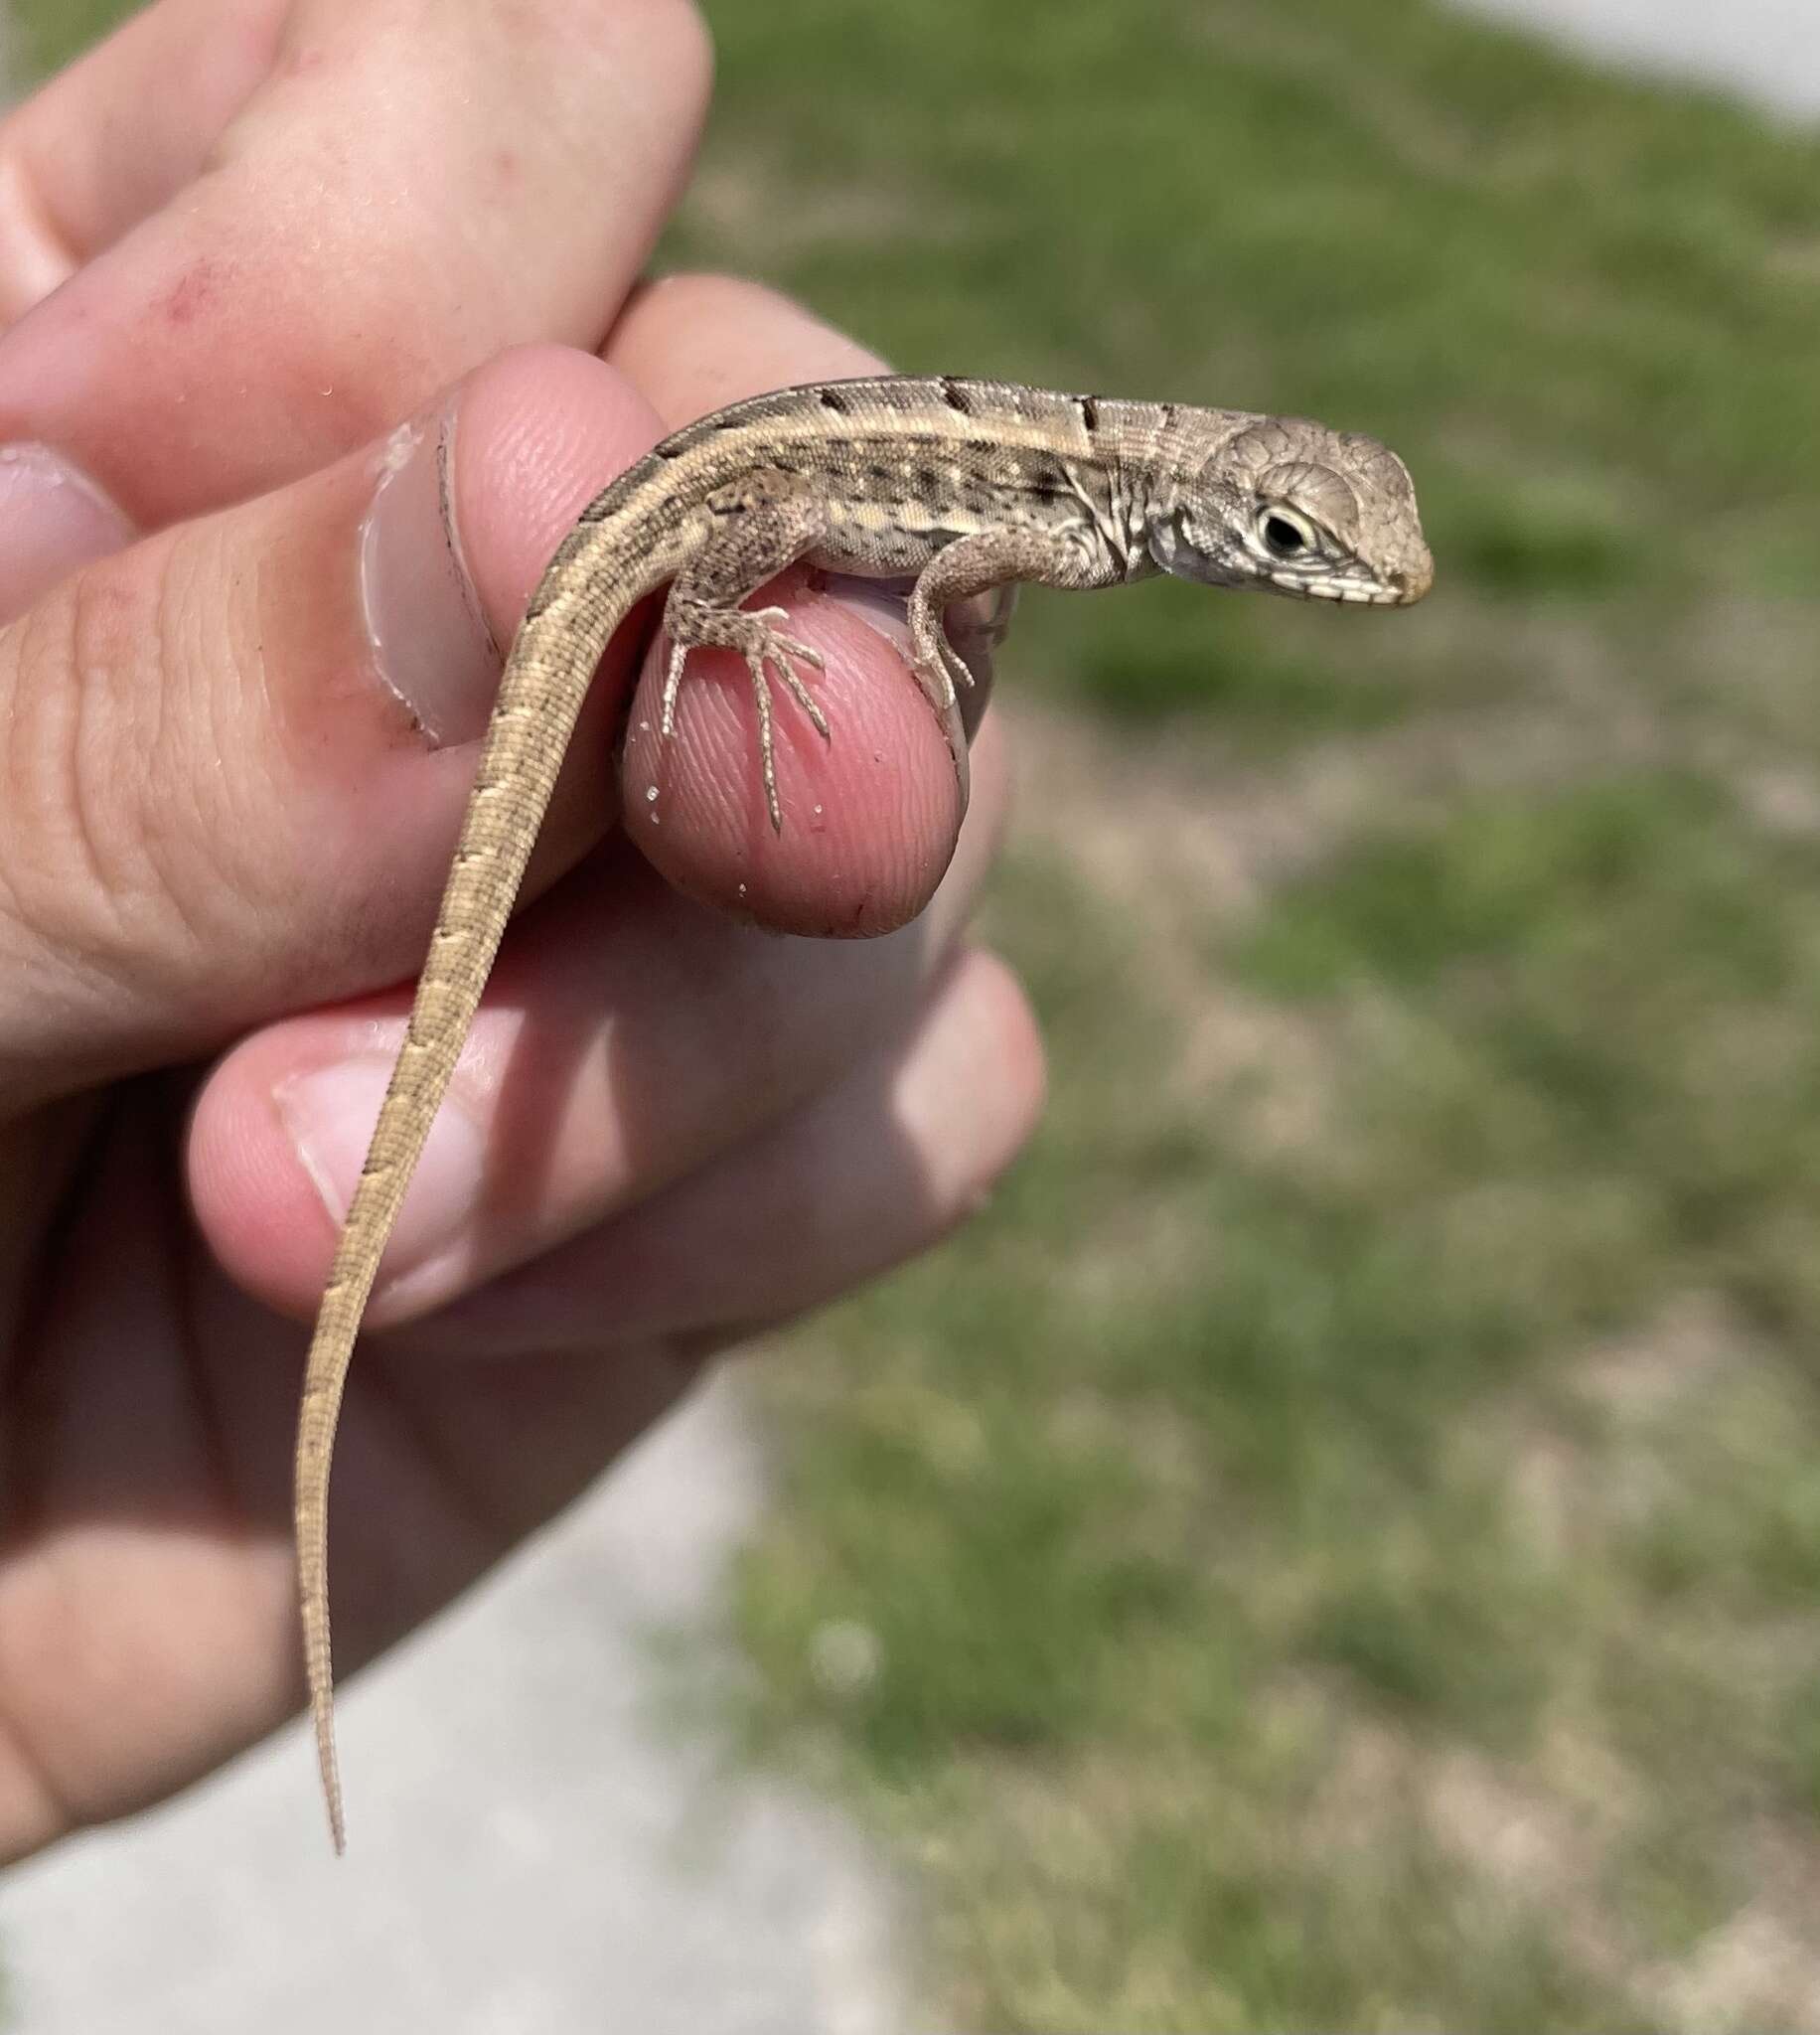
1287, 506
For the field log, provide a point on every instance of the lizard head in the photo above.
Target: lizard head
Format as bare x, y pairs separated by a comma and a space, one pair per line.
1290, 507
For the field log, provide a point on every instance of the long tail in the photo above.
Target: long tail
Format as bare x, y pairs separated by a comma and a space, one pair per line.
563, 637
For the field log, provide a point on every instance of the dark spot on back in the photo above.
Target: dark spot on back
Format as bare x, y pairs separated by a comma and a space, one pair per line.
1090, 411
956, 397
828, 399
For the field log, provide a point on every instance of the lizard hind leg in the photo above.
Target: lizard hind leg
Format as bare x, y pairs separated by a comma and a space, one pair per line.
753, 633
760, 526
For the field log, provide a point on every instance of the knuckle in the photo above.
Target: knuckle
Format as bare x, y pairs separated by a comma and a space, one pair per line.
691, 50
640, 44
108, 823
58, 827
672, 321
681, 31
35, 252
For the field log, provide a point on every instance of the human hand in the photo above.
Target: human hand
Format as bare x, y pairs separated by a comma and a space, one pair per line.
238, 701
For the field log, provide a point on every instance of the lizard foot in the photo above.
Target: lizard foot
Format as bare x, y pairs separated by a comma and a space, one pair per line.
942, 671
940, 668
755, 634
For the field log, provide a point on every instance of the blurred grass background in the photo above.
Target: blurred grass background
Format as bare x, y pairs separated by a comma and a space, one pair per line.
1337, 1542
50, 32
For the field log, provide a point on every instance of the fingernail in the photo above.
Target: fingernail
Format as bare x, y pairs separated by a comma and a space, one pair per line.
879, 602
975, 627
52, 519
330, 1114
430, 640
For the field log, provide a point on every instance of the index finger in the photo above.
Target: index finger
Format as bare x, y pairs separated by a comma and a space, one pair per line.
407, 191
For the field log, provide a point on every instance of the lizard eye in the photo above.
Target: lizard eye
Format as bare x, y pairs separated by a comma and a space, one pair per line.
1284, 533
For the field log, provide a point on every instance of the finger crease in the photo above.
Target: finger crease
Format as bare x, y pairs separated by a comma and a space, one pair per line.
35, 252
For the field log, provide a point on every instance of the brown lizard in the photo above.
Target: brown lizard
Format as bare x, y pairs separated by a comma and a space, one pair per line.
968, 485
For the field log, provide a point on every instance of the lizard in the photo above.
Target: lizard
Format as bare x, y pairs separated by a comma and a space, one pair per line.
969, 486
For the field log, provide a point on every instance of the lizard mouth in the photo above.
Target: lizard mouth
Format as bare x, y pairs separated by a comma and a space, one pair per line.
1374, 594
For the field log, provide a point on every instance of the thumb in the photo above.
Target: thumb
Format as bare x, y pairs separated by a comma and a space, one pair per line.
235, 753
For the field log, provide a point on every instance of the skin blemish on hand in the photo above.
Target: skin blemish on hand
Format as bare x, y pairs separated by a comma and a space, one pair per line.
192, 293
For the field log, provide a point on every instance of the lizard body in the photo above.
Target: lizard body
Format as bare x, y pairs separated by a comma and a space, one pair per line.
968, 486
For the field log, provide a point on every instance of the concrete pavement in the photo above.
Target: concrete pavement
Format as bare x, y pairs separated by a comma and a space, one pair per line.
1763, 49
532, 1847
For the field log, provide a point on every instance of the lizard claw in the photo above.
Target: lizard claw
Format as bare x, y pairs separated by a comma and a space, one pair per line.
942, 672
783, 653
755, 634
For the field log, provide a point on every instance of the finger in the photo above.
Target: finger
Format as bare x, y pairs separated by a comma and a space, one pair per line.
951, 1098
274, 314
107, 141
880, 796
869, 1172
236, 754
628, 1040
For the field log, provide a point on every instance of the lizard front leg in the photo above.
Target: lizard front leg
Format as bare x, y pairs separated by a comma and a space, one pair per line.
757, 527
990, 560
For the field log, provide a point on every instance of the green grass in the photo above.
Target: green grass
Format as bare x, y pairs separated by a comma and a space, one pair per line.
1338, 1543
50, 32
1338, 1538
